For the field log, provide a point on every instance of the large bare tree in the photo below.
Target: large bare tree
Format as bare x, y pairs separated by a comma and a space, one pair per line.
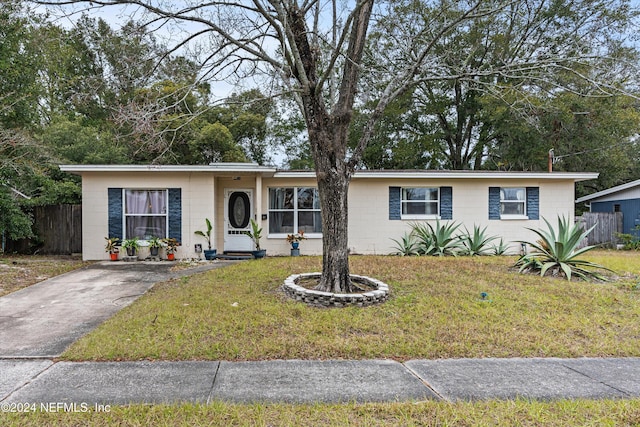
316, 51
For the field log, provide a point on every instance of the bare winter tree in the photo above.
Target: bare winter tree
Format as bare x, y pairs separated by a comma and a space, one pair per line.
316, 50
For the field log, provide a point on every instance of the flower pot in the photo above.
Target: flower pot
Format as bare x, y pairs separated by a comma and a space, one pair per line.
114, 256
154, 251
171, 256
210, 254
295, 245
259, 254
131, 251
295, 252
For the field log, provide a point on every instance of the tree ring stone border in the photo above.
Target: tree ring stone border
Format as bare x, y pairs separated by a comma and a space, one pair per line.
327, 299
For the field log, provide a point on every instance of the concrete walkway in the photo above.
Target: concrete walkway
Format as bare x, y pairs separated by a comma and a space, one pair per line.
298, 381
37, 323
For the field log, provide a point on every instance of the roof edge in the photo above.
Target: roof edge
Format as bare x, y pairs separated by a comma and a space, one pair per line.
214, 167
360, 174
608, 191
404, 174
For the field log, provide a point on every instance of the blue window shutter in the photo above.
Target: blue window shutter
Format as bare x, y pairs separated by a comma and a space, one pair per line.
494, 202
394, 203
175, 214
533, 202
115, 212
446, 202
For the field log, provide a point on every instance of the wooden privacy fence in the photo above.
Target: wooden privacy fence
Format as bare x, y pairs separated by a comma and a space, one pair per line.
58, 229
607, 225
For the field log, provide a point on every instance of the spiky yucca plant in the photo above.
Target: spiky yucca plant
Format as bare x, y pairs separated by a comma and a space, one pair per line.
500, 249
558, 252
476, 243
439, 240
406, 246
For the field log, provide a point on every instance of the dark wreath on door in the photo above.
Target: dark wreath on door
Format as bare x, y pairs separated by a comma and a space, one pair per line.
239, 210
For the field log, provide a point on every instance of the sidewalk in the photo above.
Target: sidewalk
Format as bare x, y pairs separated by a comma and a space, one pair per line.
300, 381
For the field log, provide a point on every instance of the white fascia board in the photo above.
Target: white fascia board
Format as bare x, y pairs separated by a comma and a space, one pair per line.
294, 174
583, 176
608, 191
390, 174
574, 176
218, 167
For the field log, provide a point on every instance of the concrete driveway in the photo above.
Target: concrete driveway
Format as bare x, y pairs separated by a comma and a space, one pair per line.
40, 321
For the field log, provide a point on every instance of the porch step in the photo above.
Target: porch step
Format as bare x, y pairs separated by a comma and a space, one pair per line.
234, 255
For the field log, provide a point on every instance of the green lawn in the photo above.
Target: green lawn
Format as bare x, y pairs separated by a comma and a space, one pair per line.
435, 311
493, 413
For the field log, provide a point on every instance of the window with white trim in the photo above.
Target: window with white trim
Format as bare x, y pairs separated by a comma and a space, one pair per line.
419, 202
513, 202
145, 213
294, 209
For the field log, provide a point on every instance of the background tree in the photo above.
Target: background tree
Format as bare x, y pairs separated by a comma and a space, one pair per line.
18, 70
403, 139
287, 132
67, 71
21, 162
518, 61
215, 143
75, 143
246, 117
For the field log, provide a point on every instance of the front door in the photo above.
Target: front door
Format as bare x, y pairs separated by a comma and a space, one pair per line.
238, 211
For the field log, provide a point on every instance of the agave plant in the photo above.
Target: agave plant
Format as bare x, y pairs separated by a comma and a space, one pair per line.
500, 249
476, 243
406, 246
440, 240
558, 252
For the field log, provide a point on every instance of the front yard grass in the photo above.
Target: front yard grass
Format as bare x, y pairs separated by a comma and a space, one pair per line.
493, 413
435, 311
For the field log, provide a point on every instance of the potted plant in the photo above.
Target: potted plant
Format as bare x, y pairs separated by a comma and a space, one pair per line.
131, 245
112, 247
171, 245
295, 239
255, 234
155, 243
211, 253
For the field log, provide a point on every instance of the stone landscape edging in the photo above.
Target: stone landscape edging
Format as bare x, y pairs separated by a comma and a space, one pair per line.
328, 299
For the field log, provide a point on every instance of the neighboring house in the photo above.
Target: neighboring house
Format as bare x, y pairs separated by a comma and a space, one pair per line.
623, 198
173, 201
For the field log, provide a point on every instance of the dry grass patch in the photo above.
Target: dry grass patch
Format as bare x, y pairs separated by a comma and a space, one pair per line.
493, 413
20, 271
435, 311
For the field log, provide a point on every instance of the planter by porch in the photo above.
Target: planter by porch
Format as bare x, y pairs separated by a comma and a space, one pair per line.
153, 251
295, 252
210, 254
295, 245
114, 256
131, 251
259, 254
171, 256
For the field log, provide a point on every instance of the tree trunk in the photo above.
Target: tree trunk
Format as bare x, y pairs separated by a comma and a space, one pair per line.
333, 189
327, 137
